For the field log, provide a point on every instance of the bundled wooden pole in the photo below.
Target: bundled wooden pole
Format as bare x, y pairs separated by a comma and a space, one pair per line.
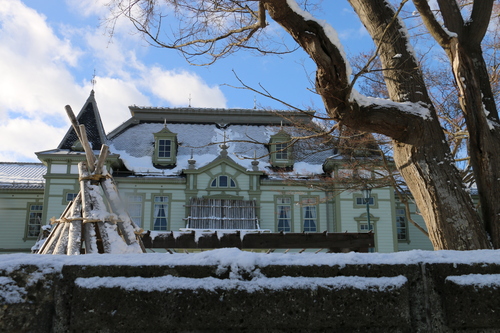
87, 218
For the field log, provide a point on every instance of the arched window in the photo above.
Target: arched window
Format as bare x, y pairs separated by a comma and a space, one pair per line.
223, 181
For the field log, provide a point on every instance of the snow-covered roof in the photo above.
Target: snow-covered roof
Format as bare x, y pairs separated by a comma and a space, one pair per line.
201, 137
19, 175
135, 146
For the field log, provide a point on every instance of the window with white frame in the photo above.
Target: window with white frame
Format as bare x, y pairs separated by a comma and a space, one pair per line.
134, 208
34, 220
309, 214
284, 212
401, 225
160, 214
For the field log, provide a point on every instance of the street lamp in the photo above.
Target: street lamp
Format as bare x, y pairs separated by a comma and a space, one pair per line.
367, 191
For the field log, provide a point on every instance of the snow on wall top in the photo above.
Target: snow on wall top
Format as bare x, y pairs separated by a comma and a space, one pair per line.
235, 259
19, 175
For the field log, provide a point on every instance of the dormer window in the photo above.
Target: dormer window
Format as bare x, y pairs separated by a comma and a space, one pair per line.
165, 148
281, 150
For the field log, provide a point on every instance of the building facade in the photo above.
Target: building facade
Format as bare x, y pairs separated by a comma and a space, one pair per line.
200, 168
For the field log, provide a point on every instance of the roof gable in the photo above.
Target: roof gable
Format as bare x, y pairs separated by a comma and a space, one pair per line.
90, 117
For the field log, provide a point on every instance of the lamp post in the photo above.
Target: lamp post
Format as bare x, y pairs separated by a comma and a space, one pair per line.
367, 191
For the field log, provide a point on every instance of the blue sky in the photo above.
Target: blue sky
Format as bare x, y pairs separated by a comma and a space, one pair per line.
50, 49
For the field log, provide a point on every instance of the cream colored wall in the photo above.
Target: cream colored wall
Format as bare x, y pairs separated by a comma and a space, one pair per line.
382, 217
268, 207
416, 238
13, 219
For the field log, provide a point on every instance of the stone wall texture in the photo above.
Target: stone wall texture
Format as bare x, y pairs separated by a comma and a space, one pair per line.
422, 299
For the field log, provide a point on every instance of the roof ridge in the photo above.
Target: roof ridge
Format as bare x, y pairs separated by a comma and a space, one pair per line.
34, 163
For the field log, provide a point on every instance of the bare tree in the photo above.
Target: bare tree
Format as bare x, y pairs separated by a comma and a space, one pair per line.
214, 28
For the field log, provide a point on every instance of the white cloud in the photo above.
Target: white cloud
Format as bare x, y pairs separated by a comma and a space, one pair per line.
177, 87
33, 63
113, 110
39, 76
21, 138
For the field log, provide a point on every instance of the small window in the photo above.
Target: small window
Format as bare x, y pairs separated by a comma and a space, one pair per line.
281, 150
401, 225
223, 182
361, 201
363, 227
71, 196
34, 220
160, 215
164, 148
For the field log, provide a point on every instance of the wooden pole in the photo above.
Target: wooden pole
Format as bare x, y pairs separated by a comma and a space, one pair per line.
102, 158
74, 121
89, 153
50, 242
89, 234
75, 227
62, 242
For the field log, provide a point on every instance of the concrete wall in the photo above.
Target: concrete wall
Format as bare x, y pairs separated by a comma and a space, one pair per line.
402, 298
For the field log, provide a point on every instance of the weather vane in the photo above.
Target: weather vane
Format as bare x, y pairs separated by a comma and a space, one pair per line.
93, 80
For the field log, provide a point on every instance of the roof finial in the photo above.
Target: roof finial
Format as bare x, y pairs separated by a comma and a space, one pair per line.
254, 102
93, 80
189, 100
192, 161
164, 122
224, 147
255, 162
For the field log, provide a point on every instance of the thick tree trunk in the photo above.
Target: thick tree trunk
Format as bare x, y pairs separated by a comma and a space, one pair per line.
420, 150
462, 43
484, 136
433, 180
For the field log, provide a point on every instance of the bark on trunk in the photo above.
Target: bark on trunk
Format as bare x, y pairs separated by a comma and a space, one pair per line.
484, 135
463, 47
420, 149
